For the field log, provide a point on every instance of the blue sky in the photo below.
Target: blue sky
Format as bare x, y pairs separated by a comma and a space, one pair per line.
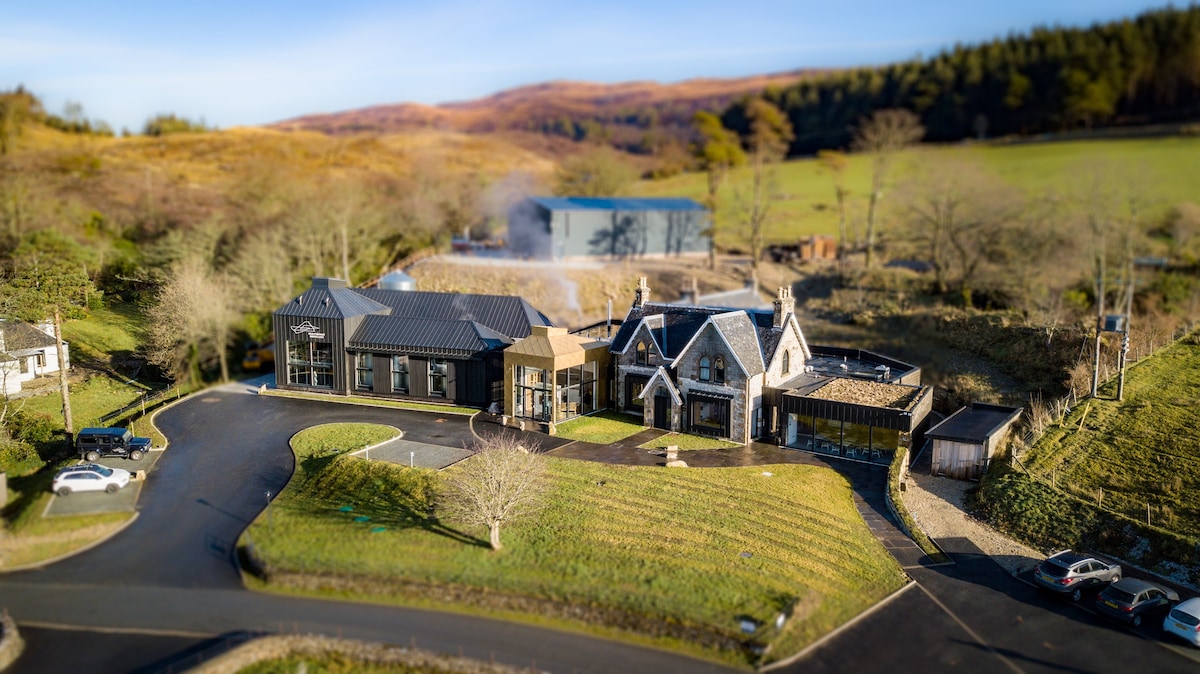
240, 63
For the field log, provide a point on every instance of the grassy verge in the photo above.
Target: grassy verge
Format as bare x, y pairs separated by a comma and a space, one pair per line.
685, 441
602, 428
376, 402
918, 535
1095, 478
34, 539
674, 558
327, 439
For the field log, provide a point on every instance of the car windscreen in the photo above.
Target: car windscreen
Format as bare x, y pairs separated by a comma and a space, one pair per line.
1117, 594
1185, 618
104, 470
1055, 569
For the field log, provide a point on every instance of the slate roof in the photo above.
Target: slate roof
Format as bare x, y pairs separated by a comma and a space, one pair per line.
18, 336
974, 424
438, 337
335, 303
617, 204
506, 314
750, 333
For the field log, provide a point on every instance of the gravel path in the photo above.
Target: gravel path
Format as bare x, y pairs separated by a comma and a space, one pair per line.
936, 503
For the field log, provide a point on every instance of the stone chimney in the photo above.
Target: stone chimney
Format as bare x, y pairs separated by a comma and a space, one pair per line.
784, 305
689, 293
642, 295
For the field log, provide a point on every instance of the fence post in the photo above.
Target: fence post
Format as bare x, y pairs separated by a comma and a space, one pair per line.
1147, 513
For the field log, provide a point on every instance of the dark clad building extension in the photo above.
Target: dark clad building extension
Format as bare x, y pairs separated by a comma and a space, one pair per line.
403, 344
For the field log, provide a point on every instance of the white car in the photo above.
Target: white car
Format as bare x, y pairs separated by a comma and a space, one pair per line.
1184, 621
89, 477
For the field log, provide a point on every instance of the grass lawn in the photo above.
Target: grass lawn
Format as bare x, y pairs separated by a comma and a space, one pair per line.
688, 441
1160, 167
1143, 450
602, 428
93, 398
326, 439
376, 402
111, 330
34, 539
673, 558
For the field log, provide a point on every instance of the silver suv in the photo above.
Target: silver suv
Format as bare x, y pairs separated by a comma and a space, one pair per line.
1071, 574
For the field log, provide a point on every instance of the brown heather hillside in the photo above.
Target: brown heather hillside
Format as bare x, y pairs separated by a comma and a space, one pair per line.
560, 108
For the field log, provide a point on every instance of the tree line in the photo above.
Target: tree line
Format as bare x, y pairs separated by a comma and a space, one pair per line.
1129, 72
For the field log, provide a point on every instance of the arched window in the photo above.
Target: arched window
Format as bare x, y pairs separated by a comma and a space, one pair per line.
720, 378
787, 362
705, 368
641, 353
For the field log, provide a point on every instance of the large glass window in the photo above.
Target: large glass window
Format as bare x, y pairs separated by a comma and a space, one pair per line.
709, 416
531, 393
400, 374
437, 377
828, 434
364, 371
310, 364
705, 368
633, 389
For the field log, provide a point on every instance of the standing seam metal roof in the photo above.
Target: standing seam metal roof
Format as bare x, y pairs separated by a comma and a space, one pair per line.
335, 303
617, 204
506, 314
422, 336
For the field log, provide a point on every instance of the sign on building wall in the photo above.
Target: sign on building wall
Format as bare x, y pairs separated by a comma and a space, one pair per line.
308, 328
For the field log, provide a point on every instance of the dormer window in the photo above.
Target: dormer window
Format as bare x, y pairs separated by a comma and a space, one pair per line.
641, 353
787, 362
720, 373
705, 368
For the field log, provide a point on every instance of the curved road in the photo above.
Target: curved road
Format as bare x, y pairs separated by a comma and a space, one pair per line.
165, 593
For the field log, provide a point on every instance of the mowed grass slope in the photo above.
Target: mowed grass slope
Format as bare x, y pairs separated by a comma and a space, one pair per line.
1145, 450
671, 557
1162, 169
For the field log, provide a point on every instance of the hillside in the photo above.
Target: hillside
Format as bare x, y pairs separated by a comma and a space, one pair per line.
622, 113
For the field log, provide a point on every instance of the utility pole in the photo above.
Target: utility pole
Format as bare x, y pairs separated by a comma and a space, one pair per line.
1125, 336
1099, 328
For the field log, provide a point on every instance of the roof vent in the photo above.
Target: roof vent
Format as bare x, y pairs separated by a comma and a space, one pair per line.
300, 299
325, 301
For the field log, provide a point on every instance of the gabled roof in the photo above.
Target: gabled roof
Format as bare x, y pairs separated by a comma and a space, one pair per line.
547, 344
425, 336
749, 333
617, 204
335, 303
18, 336
506, 314
660, 375
739, 333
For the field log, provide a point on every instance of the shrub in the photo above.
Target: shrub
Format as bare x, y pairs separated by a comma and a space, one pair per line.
32, 427
18, 458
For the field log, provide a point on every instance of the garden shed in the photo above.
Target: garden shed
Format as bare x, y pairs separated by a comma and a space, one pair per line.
964, 443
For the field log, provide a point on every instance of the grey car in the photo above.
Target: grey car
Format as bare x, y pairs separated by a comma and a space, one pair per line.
1130, 600
1070, 574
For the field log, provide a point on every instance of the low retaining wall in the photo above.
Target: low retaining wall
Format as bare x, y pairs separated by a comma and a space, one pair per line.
281, 646
11, 643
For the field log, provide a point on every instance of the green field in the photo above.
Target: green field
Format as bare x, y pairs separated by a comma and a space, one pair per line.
1164, 171
674, 558
1094, 478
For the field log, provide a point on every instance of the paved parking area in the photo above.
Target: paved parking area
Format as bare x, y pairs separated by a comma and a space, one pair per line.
419, 454
91, 503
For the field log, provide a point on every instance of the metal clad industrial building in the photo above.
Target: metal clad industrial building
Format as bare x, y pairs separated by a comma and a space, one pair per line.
610, 227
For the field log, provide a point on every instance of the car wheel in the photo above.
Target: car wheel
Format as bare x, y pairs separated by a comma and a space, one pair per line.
1077, 594
1137, 621
135, 455
92, 455
112, 488
64, 491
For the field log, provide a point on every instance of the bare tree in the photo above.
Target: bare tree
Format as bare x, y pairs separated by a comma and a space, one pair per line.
770, 132
958, 213
835, 163
500, 483
191, 321
883, 135
718, 152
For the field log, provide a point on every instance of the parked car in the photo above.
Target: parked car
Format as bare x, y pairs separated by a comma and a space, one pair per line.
1131, 600
96, 443
89, 477
1184, 621
1071, 574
